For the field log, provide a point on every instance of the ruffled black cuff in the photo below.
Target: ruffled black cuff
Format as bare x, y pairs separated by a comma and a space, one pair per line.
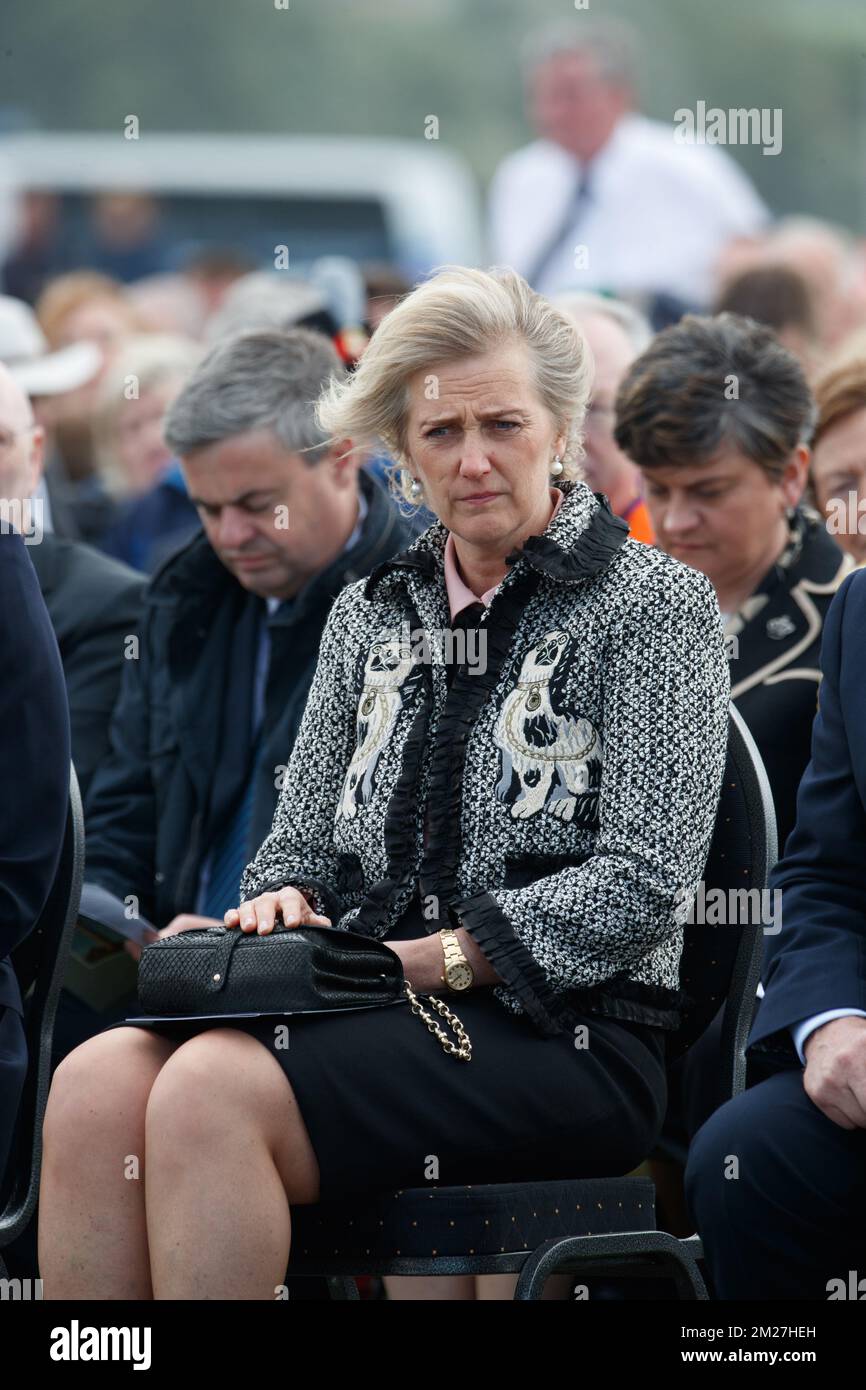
488, 926
557, 1012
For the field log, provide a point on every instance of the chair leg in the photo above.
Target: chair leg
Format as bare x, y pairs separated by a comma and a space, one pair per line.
650, 1249
671, 1210
343, 1288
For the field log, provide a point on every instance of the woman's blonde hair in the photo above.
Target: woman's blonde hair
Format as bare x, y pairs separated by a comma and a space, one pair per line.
66, 293
147, 360
459, 313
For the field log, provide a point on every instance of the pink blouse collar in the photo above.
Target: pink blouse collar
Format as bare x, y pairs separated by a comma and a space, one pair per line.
459, 593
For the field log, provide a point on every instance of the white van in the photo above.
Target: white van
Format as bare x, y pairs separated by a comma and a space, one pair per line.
409, 202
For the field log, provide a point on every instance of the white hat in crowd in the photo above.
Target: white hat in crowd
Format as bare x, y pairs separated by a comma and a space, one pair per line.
24, 350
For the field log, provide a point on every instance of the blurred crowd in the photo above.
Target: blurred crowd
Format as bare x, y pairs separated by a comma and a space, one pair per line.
151, 418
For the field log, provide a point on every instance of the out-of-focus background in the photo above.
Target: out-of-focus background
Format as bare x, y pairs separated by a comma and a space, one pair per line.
171, 175
360, 70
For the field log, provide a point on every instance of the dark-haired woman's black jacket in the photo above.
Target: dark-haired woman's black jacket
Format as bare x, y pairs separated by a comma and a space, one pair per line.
775, 656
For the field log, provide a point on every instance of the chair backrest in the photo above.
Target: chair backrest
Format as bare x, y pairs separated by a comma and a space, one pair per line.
40, 965
722, 949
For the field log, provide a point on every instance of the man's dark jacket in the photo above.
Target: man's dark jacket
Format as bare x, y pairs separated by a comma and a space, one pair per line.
775, 667
818, 959
95, 605
34, 754
179, 740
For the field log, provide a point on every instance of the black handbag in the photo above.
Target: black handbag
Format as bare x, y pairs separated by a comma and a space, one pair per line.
220, 971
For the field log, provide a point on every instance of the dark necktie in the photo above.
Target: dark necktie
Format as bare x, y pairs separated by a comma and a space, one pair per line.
230, 850
566, 228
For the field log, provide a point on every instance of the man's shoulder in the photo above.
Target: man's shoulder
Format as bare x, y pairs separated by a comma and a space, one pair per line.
641, 139
13, 551
540, 160
855, 587
849, 606
19, 584
195, 559
704, 169
636, 130
78, 572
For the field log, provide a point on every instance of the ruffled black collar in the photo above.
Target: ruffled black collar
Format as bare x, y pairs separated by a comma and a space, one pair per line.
580, 541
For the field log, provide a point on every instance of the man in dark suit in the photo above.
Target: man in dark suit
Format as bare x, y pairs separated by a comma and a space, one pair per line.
776, 1178
34, 752
94, 602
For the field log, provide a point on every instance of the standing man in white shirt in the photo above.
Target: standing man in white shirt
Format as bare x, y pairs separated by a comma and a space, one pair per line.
607, 199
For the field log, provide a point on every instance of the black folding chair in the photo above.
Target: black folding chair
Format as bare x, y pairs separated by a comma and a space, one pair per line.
40, 965
594, 1226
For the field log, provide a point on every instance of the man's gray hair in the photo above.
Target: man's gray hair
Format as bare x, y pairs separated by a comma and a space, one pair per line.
257, 381
582, 304
612, 42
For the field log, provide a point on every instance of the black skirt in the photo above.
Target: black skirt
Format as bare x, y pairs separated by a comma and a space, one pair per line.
385, 1106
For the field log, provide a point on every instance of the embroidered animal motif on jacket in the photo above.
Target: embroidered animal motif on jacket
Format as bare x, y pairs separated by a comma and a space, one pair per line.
550, 760
611, 924
386, 669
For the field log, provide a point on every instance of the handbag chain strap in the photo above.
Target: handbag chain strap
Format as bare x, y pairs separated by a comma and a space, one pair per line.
464, 1051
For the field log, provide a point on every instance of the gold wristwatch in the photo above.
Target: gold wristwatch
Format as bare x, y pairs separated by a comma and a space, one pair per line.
459, 974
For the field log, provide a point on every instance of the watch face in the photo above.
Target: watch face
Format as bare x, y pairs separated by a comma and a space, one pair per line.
459, 976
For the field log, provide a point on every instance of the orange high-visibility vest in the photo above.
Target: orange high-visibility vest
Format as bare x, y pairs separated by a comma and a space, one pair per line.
640, 528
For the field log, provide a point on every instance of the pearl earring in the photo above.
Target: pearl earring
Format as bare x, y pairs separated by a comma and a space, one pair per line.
556, 467
416, 490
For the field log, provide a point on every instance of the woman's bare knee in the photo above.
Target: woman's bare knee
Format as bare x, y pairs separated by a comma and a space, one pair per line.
216, 1077
103, 1083
223, 1087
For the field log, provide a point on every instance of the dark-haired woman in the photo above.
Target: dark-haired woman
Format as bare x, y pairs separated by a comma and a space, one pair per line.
718, 415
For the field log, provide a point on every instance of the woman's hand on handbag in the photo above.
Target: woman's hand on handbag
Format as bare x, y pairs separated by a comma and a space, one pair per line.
259, 914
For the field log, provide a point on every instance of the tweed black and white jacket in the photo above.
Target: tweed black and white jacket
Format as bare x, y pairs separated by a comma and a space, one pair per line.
569, 782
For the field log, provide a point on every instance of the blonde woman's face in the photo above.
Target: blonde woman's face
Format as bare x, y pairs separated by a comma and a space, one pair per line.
482, 442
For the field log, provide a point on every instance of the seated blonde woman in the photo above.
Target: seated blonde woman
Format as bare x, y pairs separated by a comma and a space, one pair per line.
524, 822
